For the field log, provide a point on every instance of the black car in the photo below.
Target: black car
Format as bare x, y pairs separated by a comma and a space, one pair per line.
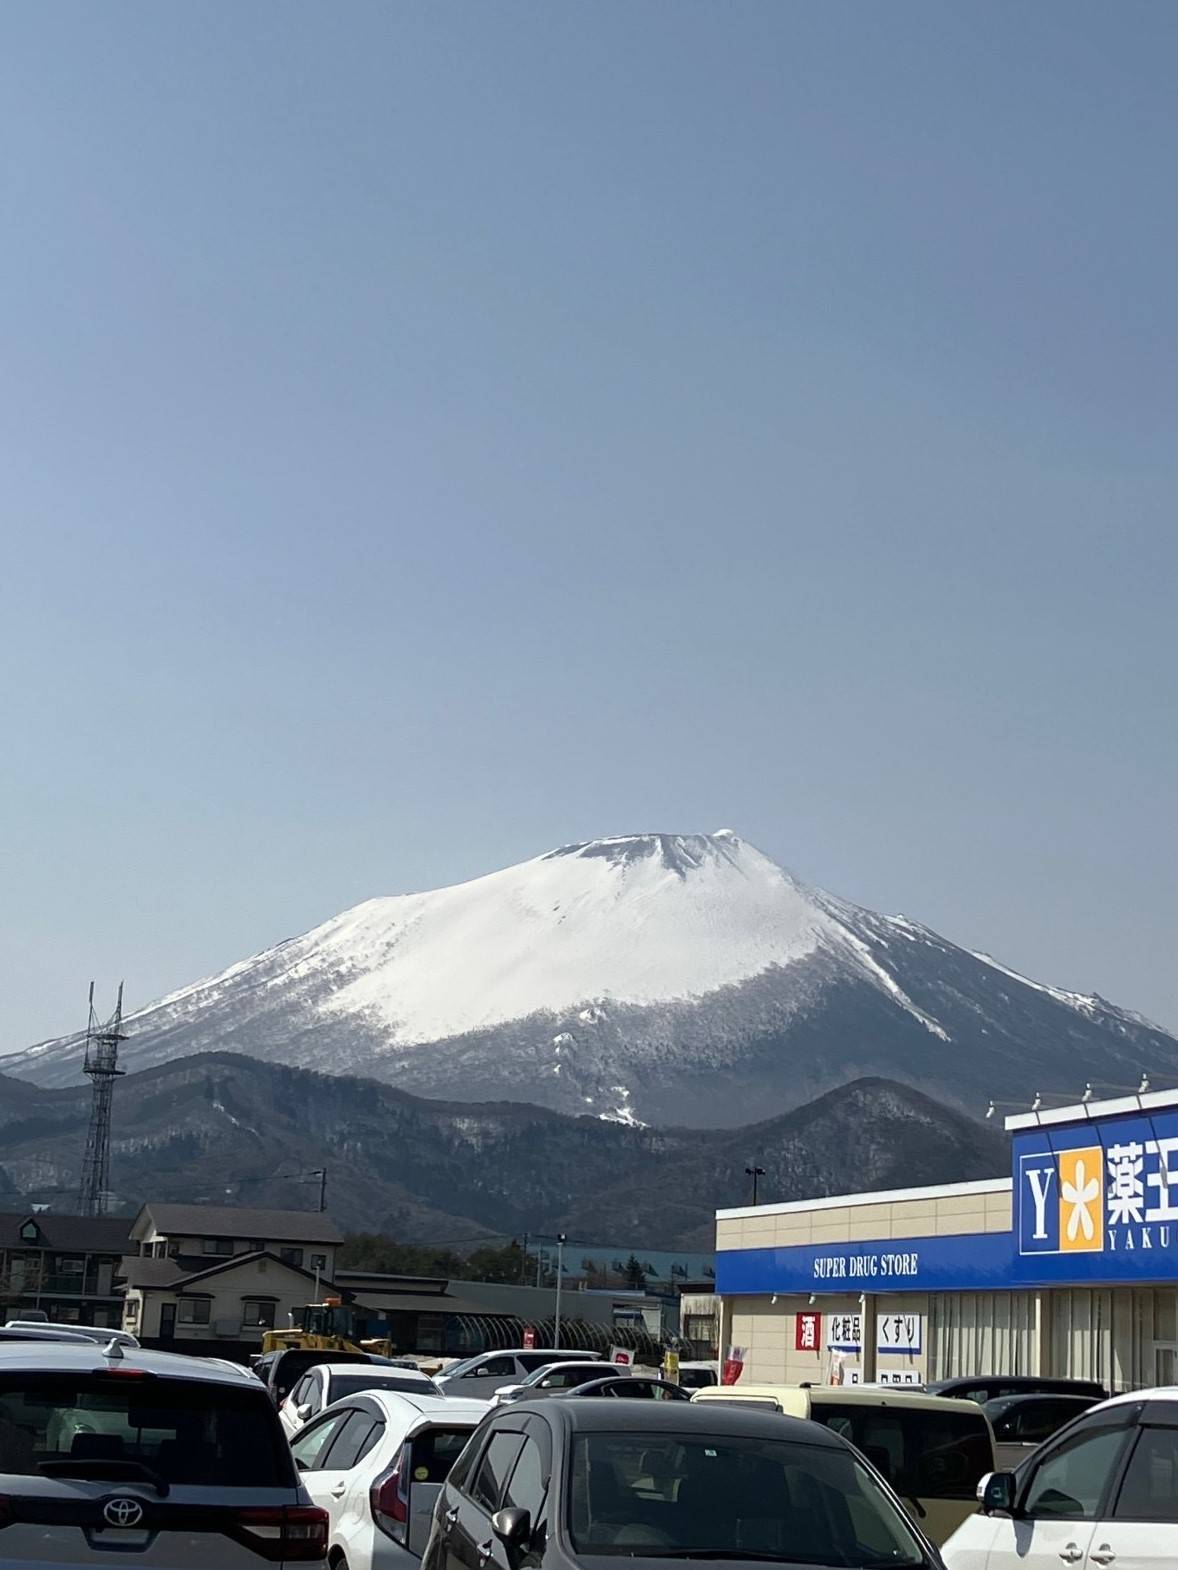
987, 1387
632, 1387
1022, 1423
558, 1484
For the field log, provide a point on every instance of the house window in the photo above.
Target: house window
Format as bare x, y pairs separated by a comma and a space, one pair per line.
318, 1261
159, 1248
71, 1267
257, 1314
216, 1245
291, 1256
30, 1232
131, 1312
194, 1310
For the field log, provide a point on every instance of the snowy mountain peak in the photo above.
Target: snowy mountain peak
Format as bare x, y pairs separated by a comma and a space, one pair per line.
681, 854
651, 977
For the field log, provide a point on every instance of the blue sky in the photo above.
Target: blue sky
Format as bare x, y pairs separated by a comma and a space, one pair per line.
433, 433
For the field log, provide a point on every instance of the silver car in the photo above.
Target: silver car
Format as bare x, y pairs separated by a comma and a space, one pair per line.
478, 1378
119, 1457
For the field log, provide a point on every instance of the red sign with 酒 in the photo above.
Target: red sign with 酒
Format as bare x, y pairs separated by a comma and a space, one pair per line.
808, 1333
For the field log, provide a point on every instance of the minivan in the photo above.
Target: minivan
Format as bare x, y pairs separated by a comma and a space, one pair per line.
123, 1457
932, 1450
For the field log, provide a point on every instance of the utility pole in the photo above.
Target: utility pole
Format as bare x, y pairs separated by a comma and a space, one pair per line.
101, 1068
523, 1264
754, 1172
560, 1242
321, 1174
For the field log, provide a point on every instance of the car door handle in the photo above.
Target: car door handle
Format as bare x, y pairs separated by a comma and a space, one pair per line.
1071, 1554
485, 1550
451, 1516
1102, 1555
339, 1490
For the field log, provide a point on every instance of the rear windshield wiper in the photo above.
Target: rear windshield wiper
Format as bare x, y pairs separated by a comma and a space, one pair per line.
101, 1471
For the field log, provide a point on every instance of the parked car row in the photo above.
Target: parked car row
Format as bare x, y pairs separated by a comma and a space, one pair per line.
122, 1457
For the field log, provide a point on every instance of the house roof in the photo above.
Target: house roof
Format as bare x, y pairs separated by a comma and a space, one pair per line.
171, 1275
67, 1234
277, 1226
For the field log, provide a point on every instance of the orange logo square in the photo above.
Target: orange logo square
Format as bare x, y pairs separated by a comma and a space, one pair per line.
1081, 1200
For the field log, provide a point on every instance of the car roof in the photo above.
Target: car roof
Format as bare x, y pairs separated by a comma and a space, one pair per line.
1024, 1384
1025, 1397
377, 1370
837, 1395
583, 1362
555, 1353
41, 1333
713, 1417
408, 1405
79, 1357
1159, 1393
616, 1379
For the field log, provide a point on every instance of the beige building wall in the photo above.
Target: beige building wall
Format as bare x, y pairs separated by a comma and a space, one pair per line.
226, 1295
978, 1208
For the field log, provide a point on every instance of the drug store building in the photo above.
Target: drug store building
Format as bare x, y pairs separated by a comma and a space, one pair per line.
1067, 1267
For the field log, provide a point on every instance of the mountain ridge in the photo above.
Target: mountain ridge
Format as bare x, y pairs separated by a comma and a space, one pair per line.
220, 1128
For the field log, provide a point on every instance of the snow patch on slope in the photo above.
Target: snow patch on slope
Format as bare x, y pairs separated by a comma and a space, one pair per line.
1089, 1003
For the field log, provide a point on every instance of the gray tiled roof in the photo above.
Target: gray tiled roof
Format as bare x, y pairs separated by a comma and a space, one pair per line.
67, 1234
276, 1226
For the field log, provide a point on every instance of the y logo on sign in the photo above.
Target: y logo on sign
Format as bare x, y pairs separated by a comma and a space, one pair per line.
1062, 1202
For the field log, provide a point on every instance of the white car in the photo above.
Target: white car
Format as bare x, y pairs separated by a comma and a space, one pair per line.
325, 1383
1102, 1492
115, 1456
479, 1377
566, 1375
375, 1462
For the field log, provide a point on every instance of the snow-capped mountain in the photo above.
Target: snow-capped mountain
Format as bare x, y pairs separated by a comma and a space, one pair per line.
645, 978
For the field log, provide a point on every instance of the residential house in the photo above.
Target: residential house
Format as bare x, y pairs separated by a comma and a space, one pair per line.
63, 1266
217, 1278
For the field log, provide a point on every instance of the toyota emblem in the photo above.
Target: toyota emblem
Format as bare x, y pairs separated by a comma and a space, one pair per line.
123, 1512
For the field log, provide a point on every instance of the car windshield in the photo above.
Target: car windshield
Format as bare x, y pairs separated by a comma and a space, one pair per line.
460, 1368
564, 1374
352, 1384
923, 1452
182, 1431
654, 1495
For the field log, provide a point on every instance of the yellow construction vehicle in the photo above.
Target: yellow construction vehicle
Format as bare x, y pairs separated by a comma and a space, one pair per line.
329, 1326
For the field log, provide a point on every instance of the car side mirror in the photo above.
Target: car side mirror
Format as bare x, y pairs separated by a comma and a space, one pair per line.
513, 1528
997, 1492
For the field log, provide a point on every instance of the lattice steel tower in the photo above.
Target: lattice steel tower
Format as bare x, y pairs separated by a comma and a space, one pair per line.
102, 1069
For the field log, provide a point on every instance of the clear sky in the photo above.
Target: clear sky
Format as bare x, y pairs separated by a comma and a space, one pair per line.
430, 433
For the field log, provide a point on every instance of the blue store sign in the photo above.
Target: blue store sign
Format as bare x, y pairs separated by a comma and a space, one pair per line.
1098, 1201
920, 1264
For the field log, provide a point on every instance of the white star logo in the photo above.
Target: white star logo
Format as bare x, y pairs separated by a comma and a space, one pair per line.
1079, 1195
